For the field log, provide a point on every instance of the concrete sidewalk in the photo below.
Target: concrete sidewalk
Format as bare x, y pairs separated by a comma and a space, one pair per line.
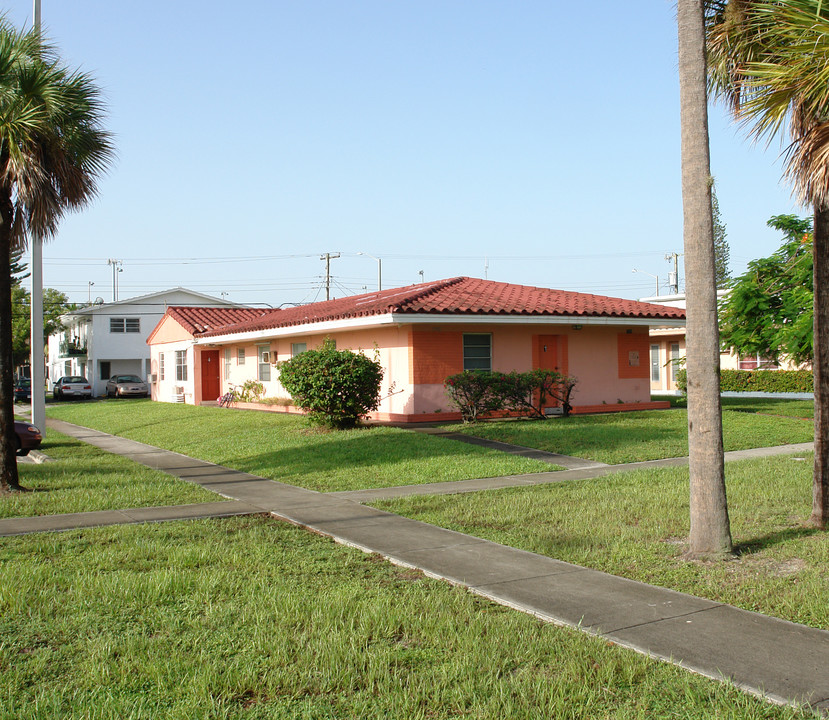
782, 661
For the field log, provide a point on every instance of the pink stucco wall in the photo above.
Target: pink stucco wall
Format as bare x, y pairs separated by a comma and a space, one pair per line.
592, 357
391, 345
417, 358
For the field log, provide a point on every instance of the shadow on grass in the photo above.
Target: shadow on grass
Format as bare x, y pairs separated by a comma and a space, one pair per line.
776, 538
57, 445
53, 471
623, 437
381, 456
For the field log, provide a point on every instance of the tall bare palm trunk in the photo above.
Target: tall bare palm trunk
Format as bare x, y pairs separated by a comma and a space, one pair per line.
710, 529
820, 488
8, 460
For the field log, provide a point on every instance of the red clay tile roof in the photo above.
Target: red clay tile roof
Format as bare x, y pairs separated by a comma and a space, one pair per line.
456, 296
197, 320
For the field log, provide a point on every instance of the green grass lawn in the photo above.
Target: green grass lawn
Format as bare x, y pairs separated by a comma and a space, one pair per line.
288, 449
254, 619
616, 438
772, 406
635, 524
83, 478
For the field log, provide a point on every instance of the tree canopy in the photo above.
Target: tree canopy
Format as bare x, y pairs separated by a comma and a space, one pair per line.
770, 307
55, 304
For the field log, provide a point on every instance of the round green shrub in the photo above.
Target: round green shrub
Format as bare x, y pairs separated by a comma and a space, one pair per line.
335, 387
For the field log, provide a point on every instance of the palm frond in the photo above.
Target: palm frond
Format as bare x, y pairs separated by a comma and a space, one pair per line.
53, 148
769, 62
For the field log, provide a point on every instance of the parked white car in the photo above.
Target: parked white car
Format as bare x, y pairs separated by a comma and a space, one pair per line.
72, 387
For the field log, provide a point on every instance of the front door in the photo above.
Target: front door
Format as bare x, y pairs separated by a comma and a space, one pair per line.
210, 384
546, 357
547, 352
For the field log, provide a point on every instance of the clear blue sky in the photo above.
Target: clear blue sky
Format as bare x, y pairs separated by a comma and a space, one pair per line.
536, 142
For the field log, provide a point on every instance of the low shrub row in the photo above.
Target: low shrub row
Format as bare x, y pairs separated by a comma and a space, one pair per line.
758, 381
477, 392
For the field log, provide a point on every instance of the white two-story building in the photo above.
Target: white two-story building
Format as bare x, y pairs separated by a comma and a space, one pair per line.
106, 339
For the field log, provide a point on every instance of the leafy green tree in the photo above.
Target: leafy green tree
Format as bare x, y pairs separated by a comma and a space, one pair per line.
722, 252
710, 533
335, 387
18, 267
52, 151
55, 304
768, 61
21, 324
769, 310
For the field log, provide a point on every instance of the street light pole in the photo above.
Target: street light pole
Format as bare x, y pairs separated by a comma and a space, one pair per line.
36, 369
656, 277
115, 271
379, 269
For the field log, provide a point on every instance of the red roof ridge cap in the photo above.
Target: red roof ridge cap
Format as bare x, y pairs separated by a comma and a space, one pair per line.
432, 288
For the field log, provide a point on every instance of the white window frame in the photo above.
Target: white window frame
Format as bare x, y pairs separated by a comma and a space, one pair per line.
263, 368
161, 366
656, 365
181, 365
674, 350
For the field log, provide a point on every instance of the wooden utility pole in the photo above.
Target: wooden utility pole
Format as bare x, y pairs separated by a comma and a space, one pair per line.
328, 257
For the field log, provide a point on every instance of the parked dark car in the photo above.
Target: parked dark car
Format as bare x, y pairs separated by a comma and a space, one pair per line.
127, 386
28, 437
72, 386
23, 390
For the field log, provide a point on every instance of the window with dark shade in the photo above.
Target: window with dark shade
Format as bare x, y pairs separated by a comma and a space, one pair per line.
477, 351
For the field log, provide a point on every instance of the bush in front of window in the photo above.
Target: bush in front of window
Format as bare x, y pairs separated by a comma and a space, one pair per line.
251, 391
477, 392
335, 387
472, 392
528, 393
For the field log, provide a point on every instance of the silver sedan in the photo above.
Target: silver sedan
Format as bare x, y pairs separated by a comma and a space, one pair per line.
126, 386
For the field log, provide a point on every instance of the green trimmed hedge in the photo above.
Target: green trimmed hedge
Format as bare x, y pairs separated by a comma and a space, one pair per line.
758, 381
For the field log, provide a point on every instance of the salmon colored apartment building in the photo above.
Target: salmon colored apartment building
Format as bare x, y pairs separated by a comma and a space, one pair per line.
421, 334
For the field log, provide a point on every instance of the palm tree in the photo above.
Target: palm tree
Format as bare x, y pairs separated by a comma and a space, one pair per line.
52, 150
770, 62
710, 530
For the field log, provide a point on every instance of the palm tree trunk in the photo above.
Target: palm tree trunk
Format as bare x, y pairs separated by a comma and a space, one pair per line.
8, 459
710, 529
820, 368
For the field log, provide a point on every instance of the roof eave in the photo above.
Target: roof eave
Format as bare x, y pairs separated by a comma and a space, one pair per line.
540, 319
312, 328
367, 321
